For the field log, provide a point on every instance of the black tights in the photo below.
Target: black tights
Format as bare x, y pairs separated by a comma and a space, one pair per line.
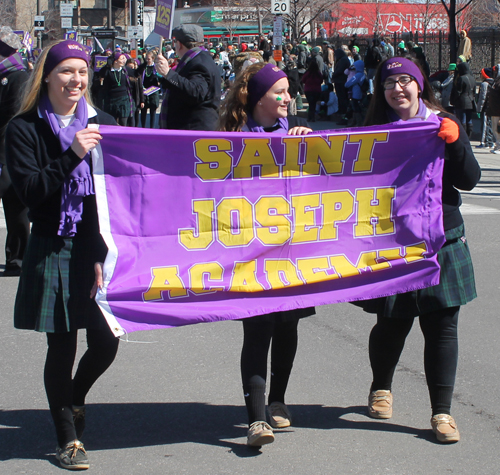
62, 390
440, 331
256, 341
152, 117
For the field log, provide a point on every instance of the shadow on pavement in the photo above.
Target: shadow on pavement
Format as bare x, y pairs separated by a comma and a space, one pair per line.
27, 434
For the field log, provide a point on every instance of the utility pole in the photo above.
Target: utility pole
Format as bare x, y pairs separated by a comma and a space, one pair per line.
279, 8
110, 14
133, 13
39, 33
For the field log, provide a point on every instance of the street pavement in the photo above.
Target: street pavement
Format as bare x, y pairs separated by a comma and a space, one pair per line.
172, 402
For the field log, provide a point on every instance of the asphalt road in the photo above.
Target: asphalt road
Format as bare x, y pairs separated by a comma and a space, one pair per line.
172, 402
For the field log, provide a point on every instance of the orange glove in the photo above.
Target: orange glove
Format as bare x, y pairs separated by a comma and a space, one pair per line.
449, 131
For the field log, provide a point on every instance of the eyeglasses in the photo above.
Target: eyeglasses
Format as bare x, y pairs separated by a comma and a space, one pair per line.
403, 81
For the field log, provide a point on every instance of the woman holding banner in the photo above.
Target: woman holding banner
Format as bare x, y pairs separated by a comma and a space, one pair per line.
403, 93
48, 156
258, 102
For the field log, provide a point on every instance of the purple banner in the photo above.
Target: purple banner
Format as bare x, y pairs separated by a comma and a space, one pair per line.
164, 18
207, 226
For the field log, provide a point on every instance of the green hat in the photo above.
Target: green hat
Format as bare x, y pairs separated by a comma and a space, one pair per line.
462, 58
355, 49
304, 42
452, 67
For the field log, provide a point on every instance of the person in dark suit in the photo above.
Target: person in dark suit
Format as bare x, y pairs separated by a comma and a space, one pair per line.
193, 90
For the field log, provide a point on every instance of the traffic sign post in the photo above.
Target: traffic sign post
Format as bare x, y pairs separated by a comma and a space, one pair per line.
278, 30
280, 7
39, 23
66, 22
134, 32
66, 9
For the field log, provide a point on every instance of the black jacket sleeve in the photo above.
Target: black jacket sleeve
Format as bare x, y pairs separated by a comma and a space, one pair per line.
461, 167
194, 87
34, 178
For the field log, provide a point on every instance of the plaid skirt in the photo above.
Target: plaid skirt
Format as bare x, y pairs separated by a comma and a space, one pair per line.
118, 106
456, 286
54, 287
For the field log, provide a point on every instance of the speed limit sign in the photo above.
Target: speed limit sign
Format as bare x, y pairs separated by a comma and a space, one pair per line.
280, 7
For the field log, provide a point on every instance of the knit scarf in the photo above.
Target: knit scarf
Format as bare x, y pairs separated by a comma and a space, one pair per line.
192, 53
79, 182
11, 64
423, 113
280, 127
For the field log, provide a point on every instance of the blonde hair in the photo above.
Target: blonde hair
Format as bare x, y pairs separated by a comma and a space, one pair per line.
36, 85
235, 108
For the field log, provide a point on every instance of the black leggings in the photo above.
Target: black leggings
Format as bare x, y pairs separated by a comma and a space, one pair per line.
440, 331
62, 390
152, 117
256, 341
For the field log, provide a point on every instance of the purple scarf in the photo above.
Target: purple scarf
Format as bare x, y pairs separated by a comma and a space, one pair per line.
11, 64
252, 126
79, 182
192, 53
423, 113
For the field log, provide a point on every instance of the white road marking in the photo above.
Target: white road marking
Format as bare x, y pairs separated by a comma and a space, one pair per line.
468, 209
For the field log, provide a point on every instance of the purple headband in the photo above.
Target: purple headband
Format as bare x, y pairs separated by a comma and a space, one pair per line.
261, 82
64, 50
399, 65
117, 55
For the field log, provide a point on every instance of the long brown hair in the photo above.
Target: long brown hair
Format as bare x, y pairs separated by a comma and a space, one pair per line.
378, 110
36, 85
235, 108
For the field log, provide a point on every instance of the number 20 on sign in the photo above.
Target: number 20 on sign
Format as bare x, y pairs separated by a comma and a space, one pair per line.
280, 7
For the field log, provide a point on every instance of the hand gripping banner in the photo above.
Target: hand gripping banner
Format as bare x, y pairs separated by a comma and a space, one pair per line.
208, 226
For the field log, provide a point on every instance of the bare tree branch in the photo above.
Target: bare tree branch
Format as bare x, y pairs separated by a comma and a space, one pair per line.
464, 7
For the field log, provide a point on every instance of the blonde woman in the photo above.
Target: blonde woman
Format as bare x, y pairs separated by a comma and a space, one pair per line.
48, 145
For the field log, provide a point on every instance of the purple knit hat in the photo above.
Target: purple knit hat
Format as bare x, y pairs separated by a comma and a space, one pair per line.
64, 50
261, 82
399, 65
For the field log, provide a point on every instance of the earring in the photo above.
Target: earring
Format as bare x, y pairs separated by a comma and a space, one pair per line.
260, 103
46, 79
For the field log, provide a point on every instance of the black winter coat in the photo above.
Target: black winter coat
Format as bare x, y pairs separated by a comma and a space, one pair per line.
493, 100
462, 94
38, 168
11, 84
194, 94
